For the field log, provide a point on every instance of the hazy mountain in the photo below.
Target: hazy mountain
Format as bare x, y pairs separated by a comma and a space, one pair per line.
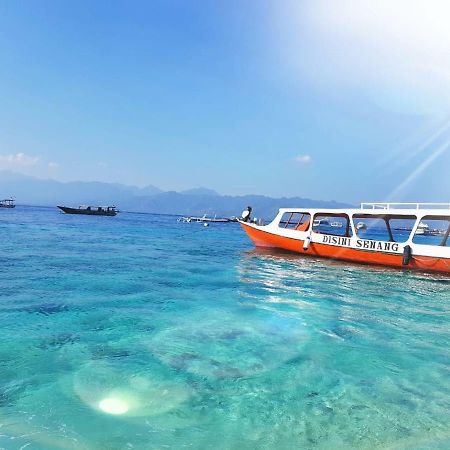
35, 191
223, 205
148, 190
199, 191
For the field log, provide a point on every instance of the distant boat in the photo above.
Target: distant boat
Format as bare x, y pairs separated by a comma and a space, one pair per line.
7, 203
336, 224
361, 226
319, 222
423, 228
90, 210
204, 219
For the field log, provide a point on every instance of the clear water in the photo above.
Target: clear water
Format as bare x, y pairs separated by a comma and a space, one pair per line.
138, 332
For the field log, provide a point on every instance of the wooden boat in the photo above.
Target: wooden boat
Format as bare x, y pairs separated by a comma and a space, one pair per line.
388, 234
7, 203
90, 210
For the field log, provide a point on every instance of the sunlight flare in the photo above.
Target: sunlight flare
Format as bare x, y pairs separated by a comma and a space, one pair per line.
115, 406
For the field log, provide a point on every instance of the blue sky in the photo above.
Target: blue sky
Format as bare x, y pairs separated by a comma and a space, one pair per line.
348, 100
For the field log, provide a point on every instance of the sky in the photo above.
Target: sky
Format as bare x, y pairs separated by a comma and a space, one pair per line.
346, 100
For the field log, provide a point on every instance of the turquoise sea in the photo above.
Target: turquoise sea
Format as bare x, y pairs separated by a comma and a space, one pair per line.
138, 332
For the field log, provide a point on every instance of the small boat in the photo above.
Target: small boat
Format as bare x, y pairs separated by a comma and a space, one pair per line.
7, 203
90, 210
203, 219
424, 245
336, 224
319, 222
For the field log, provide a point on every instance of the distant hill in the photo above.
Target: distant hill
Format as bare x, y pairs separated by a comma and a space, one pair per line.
35, 191
199, 191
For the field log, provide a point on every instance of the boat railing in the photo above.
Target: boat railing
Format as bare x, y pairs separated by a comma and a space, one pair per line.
386, 206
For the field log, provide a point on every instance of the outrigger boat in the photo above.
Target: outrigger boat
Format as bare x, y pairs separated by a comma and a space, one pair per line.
387, 234
204, 219
90, 210
7, 203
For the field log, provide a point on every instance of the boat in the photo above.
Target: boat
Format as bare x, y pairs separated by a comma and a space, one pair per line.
422, 228
319, 222
203, 219
299, 230
90, 210
361, 226
7, 203
184, 219
336, 224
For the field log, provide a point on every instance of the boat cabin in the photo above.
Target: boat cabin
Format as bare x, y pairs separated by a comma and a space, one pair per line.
98, 208
382, 222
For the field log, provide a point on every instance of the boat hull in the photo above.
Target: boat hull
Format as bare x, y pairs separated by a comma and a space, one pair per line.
266, 239
7, 206
86, 212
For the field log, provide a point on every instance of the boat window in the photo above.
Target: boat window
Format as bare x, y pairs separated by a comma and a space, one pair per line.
401, 227
295, 221
374, 228
334, 224
433, 230
384, 227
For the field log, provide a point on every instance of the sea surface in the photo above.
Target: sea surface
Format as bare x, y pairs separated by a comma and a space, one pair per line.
139, 332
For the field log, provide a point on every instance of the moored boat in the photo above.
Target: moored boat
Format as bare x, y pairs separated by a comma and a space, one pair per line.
7, 203
90, 210
388, 234
204, 219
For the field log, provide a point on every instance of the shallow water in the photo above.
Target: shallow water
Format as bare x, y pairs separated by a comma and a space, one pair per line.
138, 332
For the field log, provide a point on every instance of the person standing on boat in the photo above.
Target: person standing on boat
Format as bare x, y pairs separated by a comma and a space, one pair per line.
246, 214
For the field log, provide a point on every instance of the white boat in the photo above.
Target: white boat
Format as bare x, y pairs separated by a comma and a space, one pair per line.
7, 203
361, 226
336, 224
203, 219
422, 228
319, 222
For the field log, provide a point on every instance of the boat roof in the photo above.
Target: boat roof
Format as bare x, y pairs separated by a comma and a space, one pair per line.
401, 209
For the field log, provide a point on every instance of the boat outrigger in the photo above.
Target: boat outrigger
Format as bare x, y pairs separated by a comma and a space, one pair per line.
90, 210
405, 235
203, 219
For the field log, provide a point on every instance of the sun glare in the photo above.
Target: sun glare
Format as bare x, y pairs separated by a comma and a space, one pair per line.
113, 405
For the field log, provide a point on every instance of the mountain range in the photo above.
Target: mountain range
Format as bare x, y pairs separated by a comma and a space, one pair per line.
35, 191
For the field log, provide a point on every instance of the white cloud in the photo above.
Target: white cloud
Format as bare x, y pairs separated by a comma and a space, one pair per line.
18, 160
303, 159
53, 165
